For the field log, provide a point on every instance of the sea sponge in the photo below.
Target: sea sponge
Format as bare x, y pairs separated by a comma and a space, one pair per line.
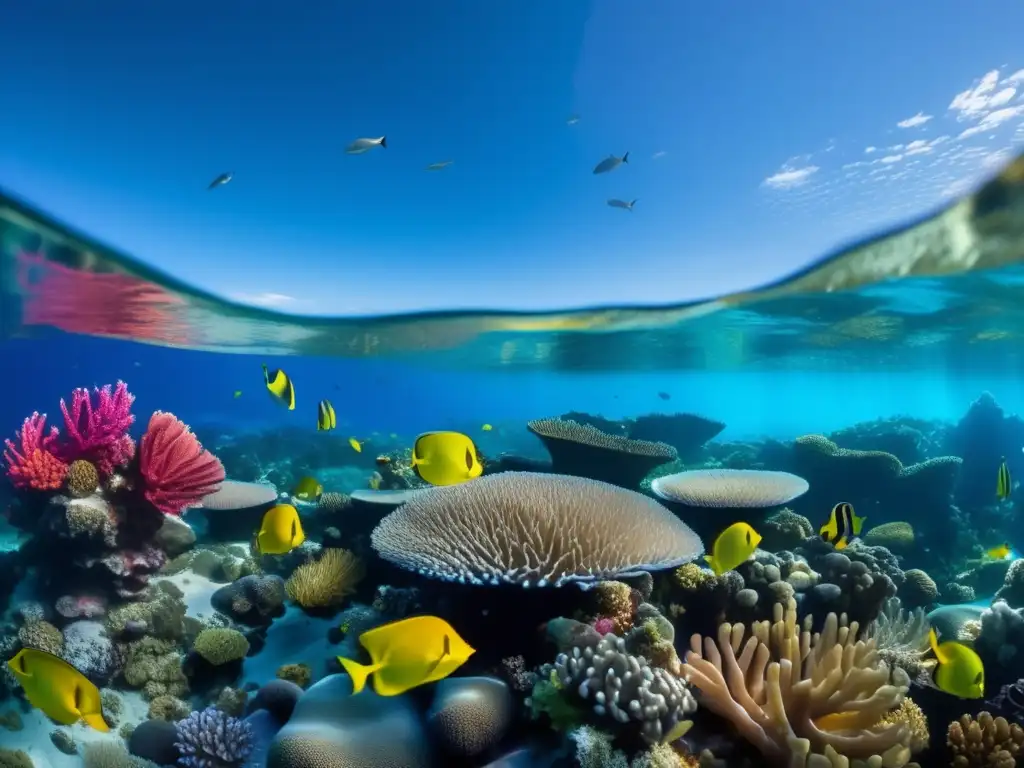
220, 645
893, 536
326, 581
168, 708
83, 478
583, 450
533, 529
988, 742
792, 694
15, 758
300, 674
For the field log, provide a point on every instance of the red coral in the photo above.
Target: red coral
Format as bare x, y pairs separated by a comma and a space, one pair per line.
177, 472
99, 433
35, 465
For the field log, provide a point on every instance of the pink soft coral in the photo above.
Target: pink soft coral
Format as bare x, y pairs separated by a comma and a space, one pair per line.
35, 465
99, 433
605, 626
177, 472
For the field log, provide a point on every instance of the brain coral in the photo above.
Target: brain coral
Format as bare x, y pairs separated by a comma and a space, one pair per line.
533, 529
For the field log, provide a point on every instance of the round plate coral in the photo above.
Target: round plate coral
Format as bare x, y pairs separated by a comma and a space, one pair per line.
730, 488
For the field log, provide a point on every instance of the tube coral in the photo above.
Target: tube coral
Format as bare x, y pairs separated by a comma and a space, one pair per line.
34, 465
99, 433
176, 470
792, 694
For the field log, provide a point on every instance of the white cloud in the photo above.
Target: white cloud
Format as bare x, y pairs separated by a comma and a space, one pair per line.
890, 159
985, 95
789, 177
1017, 78
992, 120
913, 122
266, 299
869, 150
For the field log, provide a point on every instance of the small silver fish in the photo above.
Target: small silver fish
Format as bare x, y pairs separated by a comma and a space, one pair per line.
616, 203
610, 163
359, 146
221, 180
439, 166
573, 120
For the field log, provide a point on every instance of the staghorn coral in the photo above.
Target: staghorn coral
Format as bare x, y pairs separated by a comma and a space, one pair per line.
32, 463
623, 687
533, 529
327, 581
792, 694
988, 742
583, 450
83, 479
98, 432
730, 488
893, 536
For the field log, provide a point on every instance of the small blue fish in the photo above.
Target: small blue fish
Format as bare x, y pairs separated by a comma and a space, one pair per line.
221, 180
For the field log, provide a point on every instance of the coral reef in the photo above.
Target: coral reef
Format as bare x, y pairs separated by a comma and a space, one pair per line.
985, 741
792, 694
324, 583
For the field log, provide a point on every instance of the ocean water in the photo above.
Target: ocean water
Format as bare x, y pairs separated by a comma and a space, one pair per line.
901, 333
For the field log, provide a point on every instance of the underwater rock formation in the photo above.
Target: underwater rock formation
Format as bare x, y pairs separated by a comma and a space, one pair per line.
585, 451
983, 437
686, 432
533, 530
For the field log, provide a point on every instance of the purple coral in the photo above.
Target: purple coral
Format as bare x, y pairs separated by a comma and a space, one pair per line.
99, 433
212, 739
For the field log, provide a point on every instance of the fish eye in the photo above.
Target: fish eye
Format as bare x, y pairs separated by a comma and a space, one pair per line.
469, 459
980, 678
748, 538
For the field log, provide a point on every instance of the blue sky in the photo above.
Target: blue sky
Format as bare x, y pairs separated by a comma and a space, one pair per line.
758, 138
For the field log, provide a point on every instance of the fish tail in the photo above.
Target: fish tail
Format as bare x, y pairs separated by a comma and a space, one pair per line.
358, 672
97, 722
384, 141
625, 158
933, 641
858, 524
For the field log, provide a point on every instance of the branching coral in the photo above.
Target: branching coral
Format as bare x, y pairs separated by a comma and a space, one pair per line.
901, 639
99, 433
327, 581
32, 463
212, 739
793, 694
988, 742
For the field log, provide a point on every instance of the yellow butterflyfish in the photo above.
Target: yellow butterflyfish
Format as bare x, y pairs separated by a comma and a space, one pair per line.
445, 458
280, 387
356, 445
406, 654
280, 531
733, 546
58, 689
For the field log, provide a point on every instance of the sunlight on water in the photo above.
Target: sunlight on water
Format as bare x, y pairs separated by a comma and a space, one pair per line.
843, 308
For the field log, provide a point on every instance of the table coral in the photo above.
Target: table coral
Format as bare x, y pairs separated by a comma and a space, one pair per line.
792, 694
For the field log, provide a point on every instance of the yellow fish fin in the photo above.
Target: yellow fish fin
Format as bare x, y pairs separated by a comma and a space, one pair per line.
933, 641
844, 721
358, 672
858, 523
96, 721
841, 544
710, 560
677, 731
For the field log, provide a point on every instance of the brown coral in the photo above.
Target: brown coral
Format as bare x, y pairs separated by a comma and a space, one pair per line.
919, 590
988, 742
325, 582
42, 635
792, 694
82, 479
910, 714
